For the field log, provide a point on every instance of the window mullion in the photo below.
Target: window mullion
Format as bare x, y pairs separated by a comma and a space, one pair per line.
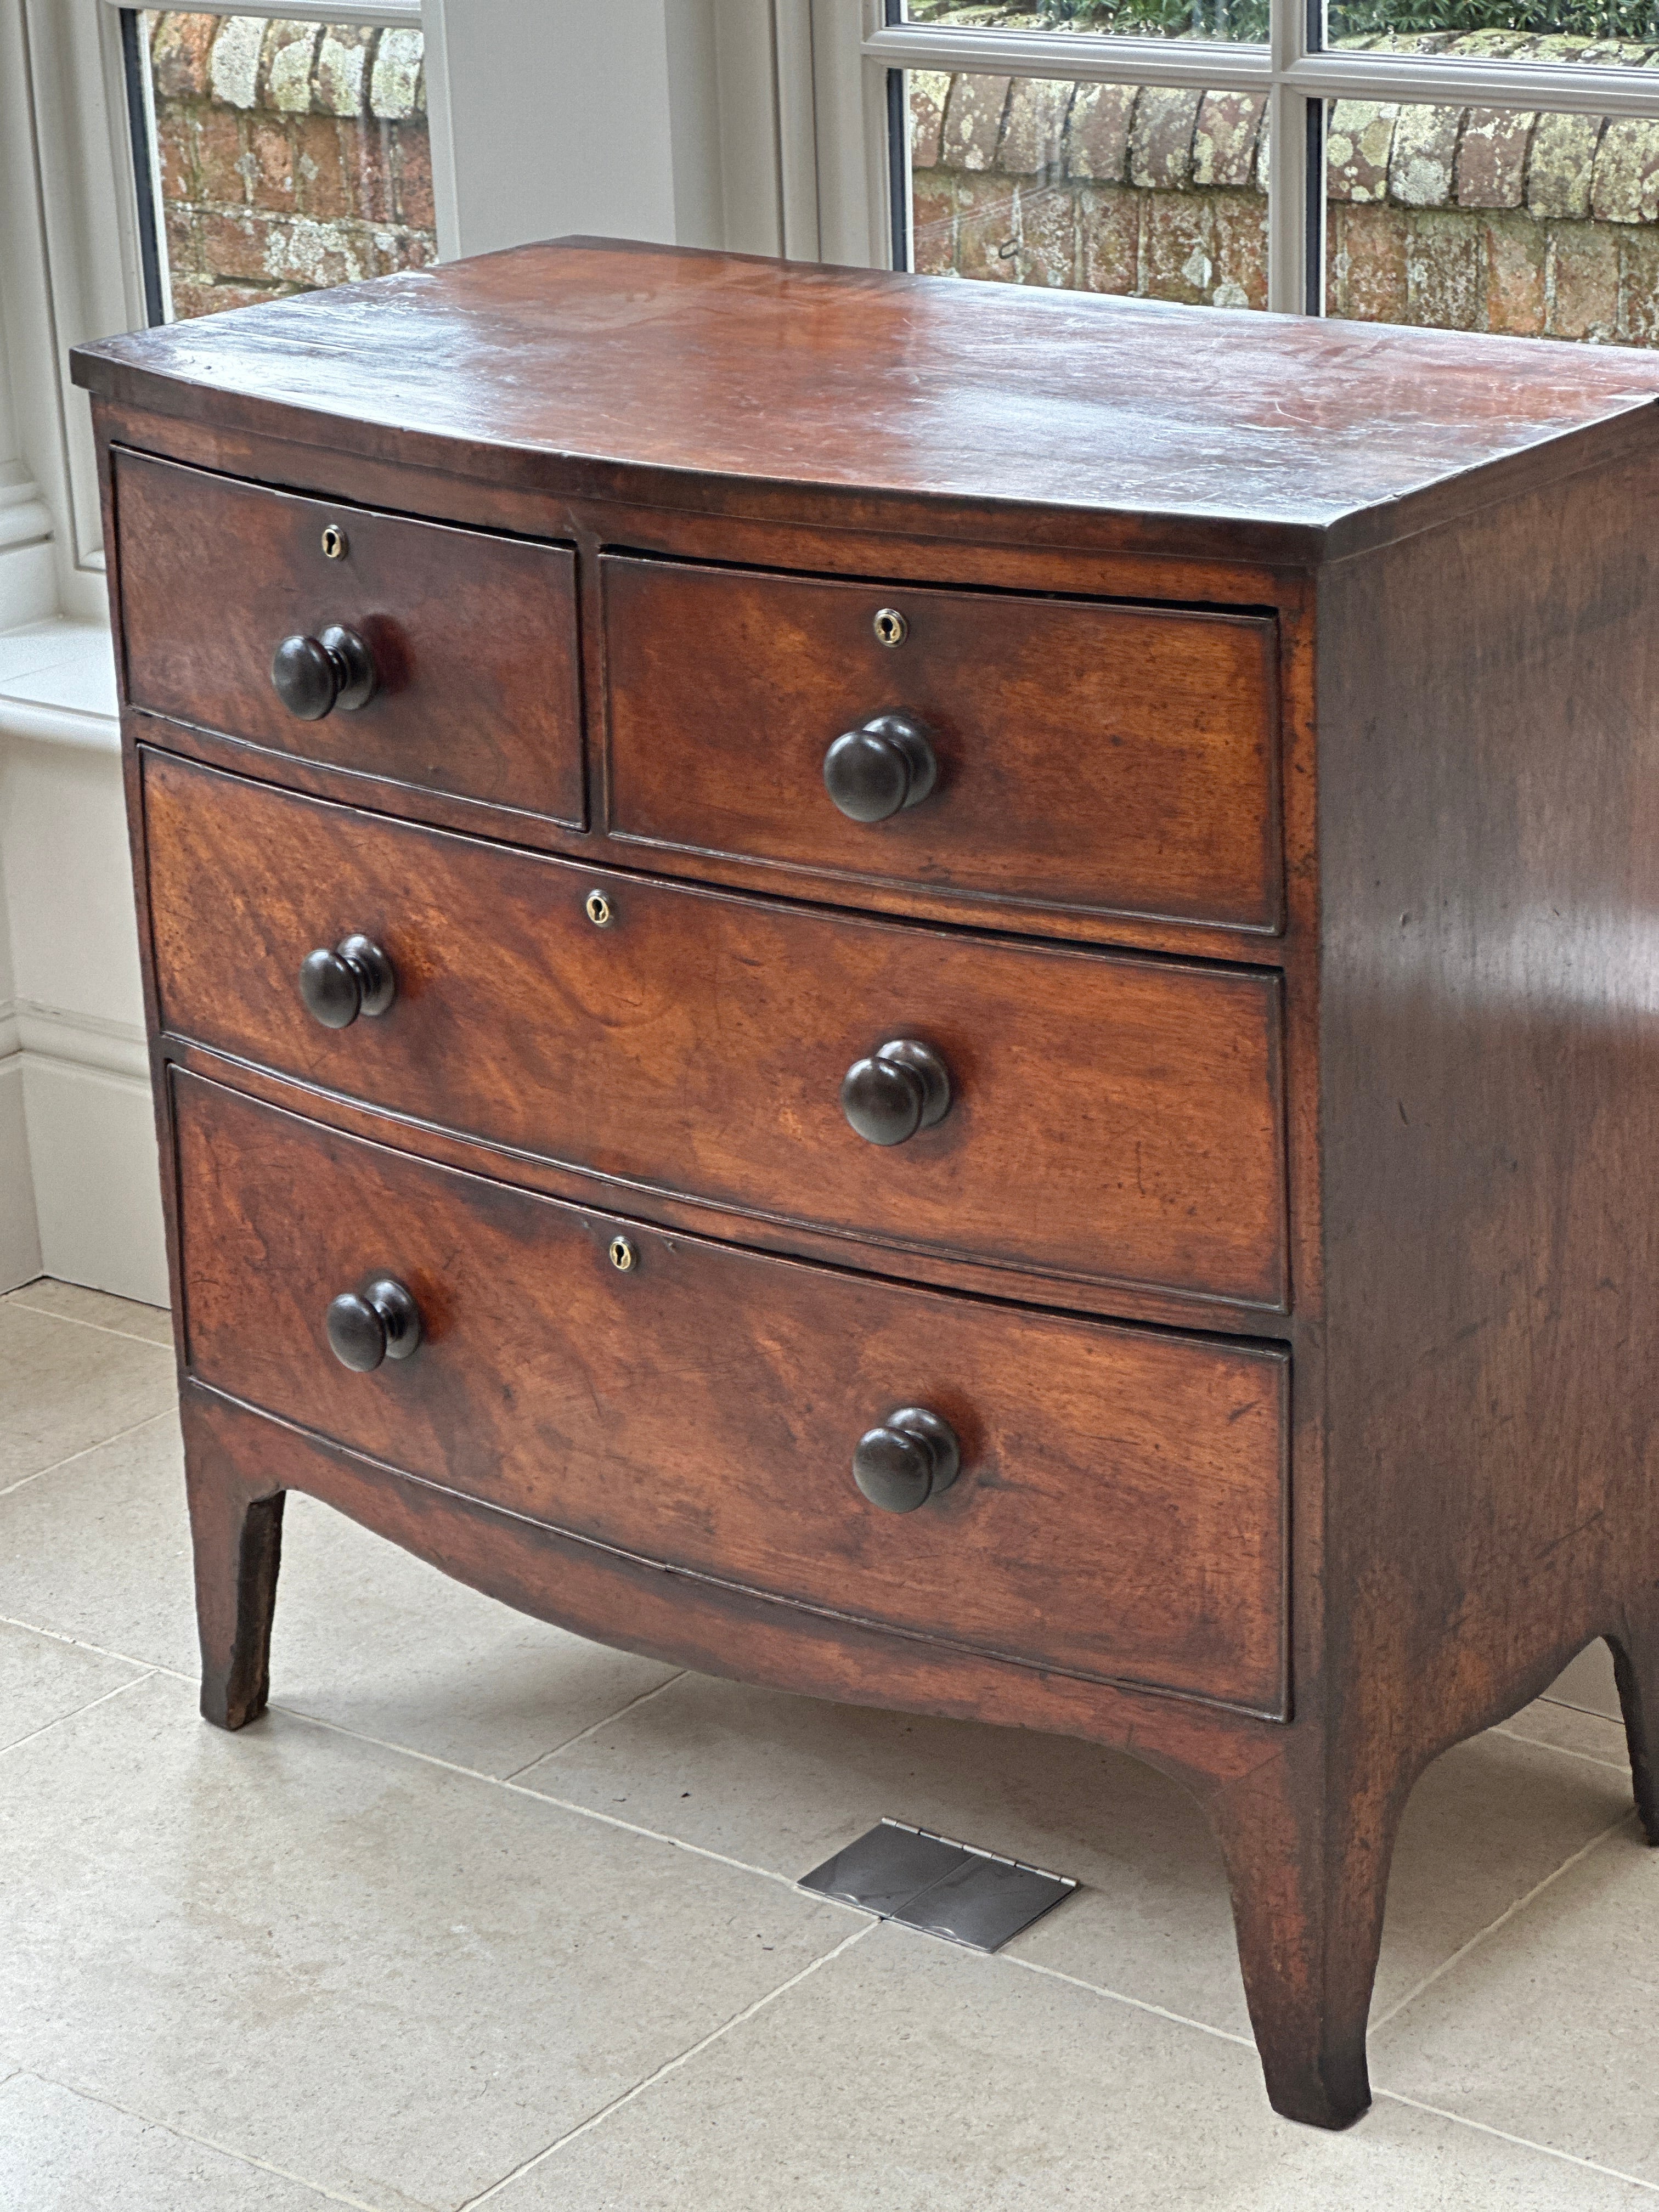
1294, 199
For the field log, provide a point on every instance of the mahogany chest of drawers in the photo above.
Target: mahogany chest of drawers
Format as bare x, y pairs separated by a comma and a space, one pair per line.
941, 997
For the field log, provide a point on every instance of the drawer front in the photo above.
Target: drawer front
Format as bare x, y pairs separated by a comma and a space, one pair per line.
473, 637
1111, 1119
1121, 1507
1098, 758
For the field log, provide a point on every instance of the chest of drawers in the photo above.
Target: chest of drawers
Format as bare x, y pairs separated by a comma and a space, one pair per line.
937, 997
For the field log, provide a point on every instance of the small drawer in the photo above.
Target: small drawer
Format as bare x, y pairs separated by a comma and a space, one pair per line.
1076, 756
1104, 1118
1118, 1509
471, 637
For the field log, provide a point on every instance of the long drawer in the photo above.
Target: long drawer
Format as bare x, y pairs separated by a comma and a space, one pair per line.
471, 635
1109, 1120
1086, 756
1120, 1510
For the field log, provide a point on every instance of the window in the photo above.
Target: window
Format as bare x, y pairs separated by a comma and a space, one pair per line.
1484, 165
273, 155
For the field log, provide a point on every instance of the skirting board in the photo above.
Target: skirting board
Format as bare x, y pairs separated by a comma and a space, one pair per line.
85, 1142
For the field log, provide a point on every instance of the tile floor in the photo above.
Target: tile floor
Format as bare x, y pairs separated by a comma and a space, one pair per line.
482, 1914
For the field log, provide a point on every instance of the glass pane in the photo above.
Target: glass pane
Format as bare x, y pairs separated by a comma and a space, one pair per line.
1091, 187
288, 155
1141, 19
1481, 219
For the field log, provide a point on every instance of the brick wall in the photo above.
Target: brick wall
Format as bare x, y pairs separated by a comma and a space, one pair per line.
1463, 218
1111, 188
1478, 219
291, 156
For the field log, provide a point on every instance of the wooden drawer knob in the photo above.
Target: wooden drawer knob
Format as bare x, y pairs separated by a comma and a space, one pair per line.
315, 675
355, 978
880, 768
900, 1088
366, 1326
911, 1458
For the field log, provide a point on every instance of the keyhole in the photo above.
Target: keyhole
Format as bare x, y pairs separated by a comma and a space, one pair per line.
891, 629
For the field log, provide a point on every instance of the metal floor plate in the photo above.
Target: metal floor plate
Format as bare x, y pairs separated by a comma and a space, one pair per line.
928, 1882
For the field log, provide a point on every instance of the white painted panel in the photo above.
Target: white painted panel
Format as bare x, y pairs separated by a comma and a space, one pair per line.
68, 881
20, 1236
97, 1179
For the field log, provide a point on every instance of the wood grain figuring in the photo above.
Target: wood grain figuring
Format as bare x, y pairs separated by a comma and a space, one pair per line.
1114, 759
1120, 1510
1111, 1119
240, 1458
655, 367
474, 636
1489, 1110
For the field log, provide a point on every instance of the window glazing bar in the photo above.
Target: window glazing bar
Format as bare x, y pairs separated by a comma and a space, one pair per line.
1211, 64
397, 15
1576, 88
1453, 80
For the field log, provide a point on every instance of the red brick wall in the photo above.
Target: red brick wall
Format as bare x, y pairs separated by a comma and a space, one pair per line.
291, 156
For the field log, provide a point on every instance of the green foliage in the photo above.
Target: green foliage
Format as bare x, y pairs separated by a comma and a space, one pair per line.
1637, 19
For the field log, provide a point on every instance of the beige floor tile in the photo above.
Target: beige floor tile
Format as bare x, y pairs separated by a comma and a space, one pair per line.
1589, 1683
378, 1976
1568, 1729
781, 1782
63, 2153
376, 1640
1547, 2029
63, 1388
98, 1308
100, 1550
366, 1636
42, 1681
909, 2076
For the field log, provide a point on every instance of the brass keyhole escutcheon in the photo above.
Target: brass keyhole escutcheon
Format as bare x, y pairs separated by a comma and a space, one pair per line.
624, 1257
598, 908
890, 627
335, 547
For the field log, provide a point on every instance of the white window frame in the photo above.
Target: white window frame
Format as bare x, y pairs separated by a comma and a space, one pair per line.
1296, 75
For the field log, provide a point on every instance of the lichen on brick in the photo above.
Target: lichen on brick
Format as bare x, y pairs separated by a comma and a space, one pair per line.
1358, 148
290, 55
1423, 156
1161, 140
1097, 132
1224, 141
973, 121
1034, 129
1625, 186
341, 76
1492, 158
1562, 163
929, 89
398, 84
234, 65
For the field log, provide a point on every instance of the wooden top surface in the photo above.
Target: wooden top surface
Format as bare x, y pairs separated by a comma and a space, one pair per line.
610, 368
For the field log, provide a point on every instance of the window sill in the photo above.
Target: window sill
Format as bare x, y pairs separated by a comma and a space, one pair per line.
57, 685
